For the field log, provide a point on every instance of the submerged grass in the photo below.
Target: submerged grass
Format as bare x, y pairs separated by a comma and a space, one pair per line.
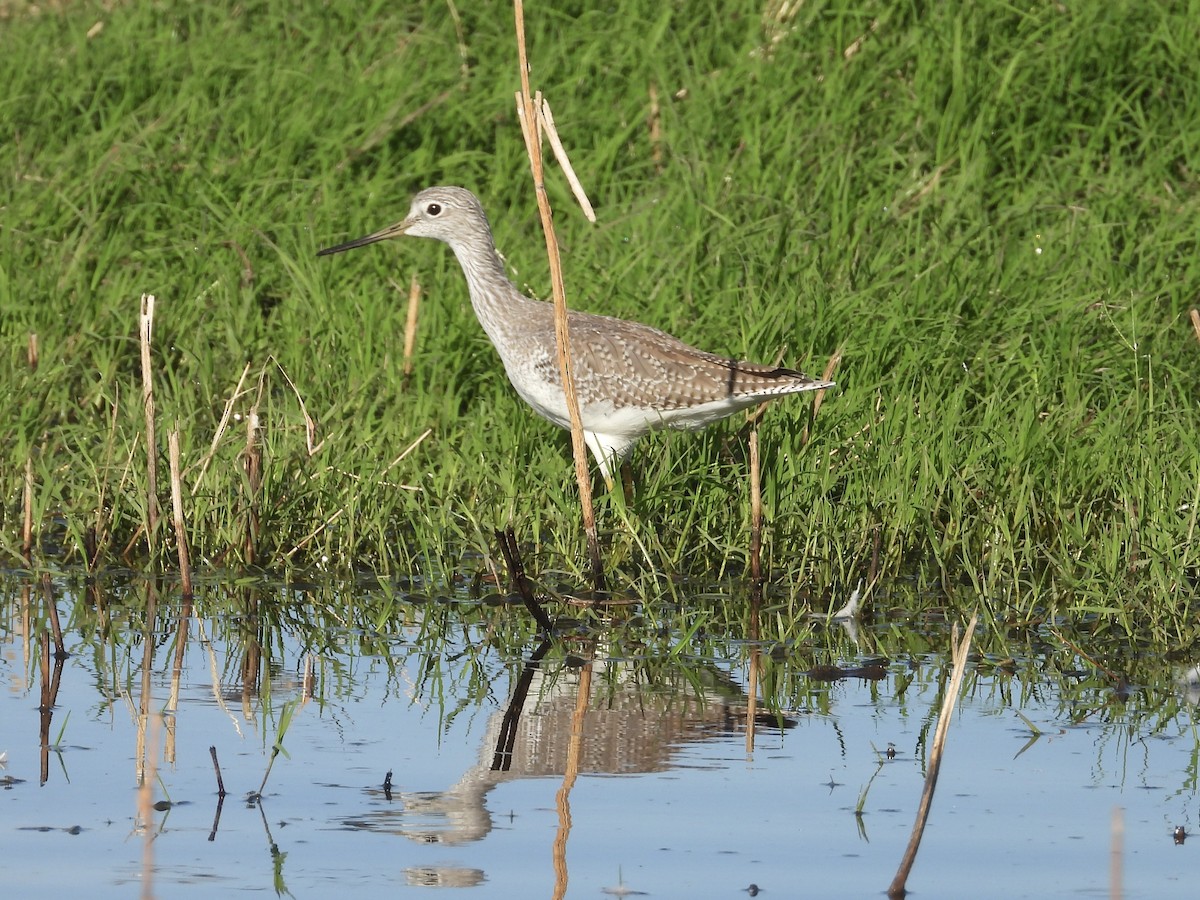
992, 213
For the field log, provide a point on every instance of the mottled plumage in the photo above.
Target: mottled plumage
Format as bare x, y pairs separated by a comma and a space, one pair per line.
630, 378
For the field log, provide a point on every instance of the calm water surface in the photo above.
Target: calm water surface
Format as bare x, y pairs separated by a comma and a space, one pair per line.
505, 784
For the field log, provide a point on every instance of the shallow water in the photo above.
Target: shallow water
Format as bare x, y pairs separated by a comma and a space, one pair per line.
502, 782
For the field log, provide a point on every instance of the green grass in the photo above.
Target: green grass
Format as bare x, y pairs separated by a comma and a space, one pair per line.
994, 212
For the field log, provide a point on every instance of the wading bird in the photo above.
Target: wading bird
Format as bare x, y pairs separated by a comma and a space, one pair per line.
629, 378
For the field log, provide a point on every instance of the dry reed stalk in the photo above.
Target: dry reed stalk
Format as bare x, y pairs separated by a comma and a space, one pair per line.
756, 516
31, 351
181, 542
252, 460
45, 707
654, 124
181, 639
1195, 317
27, 518
958, 652
410, 328
819, 396
529, 114
753, 633
562, 799
146, 340
147, 746
146, 809
60, 650
752, 696
753, 417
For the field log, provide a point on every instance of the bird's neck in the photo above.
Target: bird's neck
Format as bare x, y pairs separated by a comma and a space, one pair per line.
494, 297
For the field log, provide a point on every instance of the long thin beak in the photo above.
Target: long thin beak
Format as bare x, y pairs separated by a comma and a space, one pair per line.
381, 235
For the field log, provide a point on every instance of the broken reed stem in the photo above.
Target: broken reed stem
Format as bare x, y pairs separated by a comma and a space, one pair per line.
410, 328
31, 351
958, 652
753, 418
221, 793
756, 517
1194, 315
45, 709
529, 113
181, 542
60, 650
145, 339
752, 635
212, 751
756, 574
252, 459
147, 747
27, 520
546, 123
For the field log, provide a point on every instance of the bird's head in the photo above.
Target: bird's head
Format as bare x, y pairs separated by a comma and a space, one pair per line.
448, 214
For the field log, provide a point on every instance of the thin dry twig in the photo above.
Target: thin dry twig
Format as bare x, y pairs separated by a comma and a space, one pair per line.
463, 52
546, 124
959, 650
819, 396
407, 450
221, 426
310, 425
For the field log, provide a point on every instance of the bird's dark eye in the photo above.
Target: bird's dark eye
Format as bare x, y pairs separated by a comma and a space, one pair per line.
434, 209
